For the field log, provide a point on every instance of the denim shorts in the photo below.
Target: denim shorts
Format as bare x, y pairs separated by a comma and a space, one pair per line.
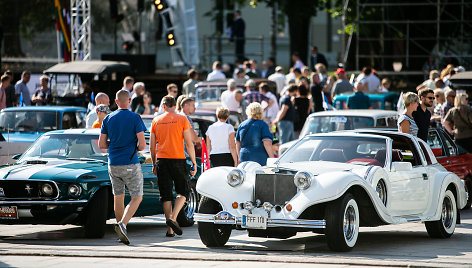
130, 176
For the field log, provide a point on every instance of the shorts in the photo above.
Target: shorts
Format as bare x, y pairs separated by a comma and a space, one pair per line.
130, 176
172, 171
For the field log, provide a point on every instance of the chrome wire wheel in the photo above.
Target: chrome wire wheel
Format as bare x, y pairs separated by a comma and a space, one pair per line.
447, 214
381, 190
191, 204
350, 223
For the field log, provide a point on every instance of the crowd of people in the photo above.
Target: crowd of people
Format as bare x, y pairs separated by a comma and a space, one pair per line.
436, 104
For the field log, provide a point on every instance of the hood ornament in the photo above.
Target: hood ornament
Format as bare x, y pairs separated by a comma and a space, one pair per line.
28, 188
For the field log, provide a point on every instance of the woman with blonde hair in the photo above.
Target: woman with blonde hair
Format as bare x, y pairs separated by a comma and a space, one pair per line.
458, 122
406, 123
253, 138
220, 141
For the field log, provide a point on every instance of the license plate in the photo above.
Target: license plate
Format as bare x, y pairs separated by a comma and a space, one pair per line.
254, 221
8, 213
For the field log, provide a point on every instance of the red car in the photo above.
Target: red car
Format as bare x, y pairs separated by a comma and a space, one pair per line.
452, 157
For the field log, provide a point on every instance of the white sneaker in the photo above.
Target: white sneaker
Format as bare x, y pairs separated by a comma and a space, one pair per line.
120, 229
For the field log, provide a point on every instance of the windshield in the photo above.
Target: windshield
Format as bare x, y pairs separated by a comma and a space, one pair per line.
324, 124
353, 150
37, 121
147, 122
207, 94
65, 146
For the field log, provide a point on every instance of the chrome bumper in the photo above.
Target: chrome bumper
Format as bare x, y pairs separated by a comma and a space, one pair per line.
296, 223
42, 202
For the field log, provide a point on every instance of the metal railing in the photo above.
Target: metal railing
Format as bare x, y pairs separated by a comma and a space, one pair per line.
219, 48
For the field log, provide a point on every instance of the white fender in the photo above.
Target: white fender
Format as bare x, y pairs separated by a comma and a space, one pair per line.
213, 184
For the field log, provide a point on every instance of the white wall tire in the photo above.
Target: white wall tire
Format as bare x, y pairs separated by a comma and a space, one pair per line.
342, 223
445, 226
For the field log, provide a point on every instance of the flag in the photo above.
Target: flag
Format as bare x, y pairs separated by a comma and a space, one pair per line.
63, 27
205, 157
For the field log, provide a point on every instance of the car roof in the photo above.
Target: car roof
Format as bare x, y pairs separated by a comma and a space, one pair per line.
76, 131
356, 112
89, 67
347, 134
46, 108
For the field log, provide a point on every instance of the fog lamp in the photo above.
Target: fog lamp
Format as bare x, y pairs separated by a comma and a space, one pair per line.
248, 205
267, 206
288, 207
235, 205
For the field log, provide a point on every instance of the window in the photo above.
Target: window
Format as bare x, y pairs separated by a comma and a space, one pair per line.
392, 121
435, 143
450, 147
69, 120
381, 122
426, 154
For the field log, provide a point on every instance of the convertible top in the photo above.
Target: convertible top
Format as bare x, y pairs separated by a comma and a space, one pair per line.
89, 67
462, 79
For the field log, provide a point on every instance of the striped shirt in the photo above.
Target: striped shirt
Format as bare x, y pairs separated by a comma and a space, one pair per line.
413, 126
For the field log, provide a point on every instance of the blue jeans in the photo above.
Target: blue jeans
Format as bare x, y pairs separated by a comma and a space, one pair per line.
285, 131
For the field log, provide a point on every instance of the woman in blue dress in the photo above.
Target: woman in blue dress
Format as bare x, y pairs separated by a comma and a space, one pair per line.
253, 138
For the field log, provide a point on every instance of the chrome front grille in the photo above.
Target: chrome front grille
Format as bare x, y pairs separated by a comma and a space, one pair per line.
26, 190
274, 188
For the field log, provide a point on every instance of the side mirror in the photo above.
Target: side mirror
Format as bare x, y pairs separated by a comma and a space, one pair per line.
271, 161
437, 151
16, 157
142, 159
401, 166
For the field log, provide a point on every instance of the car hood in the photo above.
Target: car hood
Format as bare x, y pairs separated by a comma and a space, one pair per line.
53, 169
322, 167
18, 136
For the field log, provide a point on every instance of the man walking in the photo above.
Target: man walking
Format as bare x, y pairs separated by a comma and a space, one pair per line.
21, 89
125, 130
422, 115
168, 132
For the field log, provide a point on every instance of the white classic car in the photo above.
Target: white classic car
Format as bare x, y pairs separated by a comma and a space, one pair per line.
332, 184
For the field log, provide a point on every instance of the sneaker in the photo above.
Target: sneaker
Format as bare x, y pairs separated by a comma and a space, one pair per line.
120, 229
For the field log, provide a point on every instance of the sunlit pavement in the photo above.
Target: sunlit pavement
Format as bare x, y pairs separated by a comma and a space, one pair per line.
394, 245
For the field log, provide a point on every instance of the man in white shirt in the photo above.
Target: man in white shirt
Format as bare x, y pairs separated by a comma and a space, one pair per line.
271, 113
373, 82
101, 98
279, 78
216, 74
227, 97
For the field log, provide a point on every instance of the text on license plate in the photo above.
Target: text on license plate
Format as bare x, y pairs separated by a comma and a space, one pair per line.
8, 213
254, 221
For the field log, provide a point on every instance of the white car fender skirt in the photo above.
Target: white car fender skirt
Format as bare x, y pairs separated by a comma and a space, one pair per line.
438, 187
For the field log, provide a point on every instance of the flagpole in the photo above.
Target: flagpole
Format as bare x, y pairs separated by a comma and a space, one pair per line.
58, 40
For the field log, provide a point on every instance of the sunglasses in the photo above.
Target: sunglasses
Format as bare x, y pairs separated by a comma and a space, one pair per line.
437, 96
431, 98
174, 91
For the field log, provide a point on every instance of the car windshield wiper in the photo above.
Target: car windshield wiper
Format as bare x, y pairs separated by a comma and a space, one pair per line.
86, 159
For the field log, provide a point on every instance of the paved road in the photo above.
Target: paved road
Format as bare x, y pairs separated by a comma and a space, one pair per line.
396, 245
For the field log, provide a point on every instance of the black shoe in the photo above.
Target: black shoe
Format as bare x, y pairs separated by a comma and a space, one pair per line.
169, 235
120, 230
175, 226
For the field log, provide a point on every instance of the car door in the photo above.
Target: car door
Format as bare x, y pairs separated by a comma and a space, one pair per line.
409, 188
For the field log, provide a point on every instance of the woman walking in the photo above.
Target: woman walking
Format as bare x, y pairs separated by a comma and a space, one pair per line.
253, 138
406, 123
220, 141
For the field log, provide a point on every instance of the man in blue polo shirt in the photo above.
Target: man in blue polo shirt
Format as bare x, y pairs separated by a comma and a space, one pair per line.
125, 130
359, 100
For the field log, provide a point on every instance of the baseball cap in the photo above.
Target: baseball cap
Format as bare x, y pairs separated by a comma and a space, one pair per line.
103, 108
340, 71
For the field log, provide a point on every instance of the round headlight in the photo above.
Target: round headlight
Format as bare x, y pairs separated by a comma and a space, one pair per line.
248, 205
75, 190
47, 189
267, 206
302, 180
235, 177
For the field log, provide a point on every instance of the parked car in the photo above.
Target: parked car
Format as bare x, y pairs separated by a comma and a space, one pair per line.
452, 157
21, 126
333, 184
63, 179
383, 101
328, 121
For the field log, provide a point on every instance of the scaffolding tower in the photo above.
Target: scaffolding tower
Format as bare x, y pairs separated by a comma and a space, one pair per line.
407, 43
81, 31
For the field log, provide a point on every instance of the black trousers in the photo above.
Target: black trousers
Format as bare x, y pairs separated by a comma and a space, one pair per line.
465, 143
239, 49
218, 160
